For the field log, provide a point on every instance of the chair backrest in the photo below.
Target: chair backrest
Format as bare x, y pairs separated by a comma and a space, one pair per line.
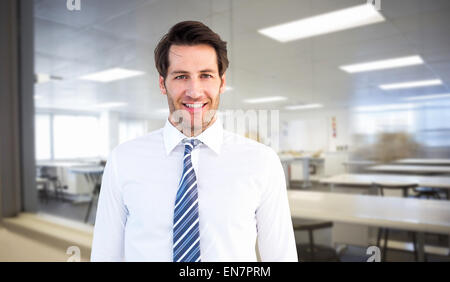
394, 186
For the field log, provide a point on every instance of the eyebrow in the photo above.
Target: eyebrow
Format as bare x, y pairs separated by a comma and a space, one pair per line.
184, 72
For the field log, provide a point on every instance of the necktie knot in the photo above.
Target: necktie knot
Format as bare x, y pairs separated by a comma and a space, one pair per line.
190, 144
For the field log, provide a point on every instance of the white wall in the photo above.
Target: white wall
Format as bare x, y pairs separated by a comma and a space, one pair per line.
312, 130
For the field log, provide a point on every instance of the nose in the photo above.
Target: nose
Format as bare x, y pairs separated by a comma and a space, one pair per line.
194, 88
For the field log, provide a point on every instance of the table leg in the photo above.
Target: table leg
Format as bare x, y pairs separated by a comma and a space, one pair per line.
421, 246
306, 182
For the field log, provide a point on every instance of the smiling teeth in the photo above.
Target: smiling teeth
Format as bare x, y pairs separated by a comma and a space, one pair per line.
195, 106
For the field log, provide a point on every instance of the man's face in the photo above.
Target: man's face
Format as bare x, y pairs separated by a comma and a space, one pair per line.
193, 87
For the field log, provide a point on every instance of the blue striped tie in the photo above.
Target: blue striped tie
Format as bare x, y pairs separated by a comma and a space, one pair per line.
186, 231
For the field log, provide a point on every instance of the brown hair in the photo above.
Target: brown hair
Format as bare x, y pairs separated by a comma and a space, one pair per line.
190, 33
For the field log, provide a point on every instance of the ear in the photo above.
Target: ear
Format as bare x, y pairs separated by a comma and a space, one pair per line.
223, 84
162, 87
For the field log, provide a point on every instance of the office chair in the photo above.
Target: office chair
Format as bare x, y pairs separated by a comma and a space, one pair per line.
427, 193
311, 251
42, 187
405, 188
56, 183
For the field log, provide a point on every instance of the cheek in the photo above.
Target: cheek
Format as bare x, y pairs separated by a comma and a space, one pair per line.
213, 91
174, 92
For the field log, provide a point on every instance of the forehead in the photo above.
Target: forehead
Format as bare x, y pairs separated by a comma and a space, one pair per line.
192, 58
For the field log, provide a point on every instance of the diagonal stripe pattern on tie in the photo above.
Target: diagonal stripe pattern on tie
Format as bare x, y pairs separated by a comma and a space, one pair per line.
186, 230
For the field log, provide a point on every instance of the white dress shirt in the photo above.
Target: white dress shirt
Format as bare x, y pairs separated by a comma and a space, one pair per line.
241, 193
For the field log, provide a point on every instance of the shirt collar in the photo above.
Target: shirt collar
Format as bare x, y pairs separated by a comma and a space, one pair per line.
211, 137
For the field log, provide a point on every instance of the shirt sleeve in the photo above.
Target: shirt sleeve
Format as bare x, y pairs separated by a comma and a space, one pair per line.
276, 240
108, 241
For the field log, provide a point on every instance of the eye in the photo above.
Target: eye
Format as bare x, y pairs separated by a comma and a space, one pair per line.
205, 75
181, 77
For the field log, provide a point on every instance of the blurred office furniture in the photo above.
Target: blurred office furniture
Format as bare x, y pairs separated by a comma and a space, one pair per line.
444, 162
405, 189
408, 169
310, 165
312, 251
350, 180
409, 214
333, 163
43, 189
94, 196
356, 166
75, 185
427, 192
49, 174
93, 176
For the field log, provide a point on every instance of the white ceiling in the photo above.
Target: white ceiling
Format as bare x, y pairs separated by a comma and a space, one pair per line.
118, 33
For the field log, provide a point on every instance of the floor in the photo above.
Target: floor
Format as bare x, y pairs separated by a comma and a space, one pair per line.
72, 210
15, 247
77, 211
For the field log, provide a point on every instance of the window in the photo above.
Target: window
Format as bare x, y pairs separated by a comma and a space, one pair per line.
76, 136
434, 127
385, 121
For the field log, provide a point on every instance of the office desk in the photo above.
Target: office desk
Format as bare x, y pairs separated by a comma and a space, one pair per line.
64, 164
418, 169
93, 175
87, 169
423, 162
366, 180
354, 165
70, 173
286, 161
431, 216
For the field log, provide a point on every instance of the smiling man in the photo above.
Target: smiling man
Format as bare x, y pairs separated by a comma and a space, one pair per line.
192, 191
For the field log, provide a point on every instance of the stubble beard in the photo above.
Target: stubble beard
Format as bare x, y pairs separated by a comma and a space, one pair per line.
191, 125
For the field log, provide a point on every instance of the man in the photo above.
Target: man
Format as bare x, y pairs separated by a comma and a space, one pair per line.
192, 191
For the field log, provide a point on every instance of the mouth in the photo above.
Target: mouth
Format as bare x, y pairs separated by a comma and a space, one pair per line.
193, 107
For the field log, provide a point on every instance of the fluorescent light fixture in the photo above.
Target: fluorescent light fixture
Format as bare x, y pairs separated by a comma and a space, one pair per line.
304, 107
388, 107
428, 97
111, 105
325, 23
383, 64
111, 75
42, 78
411, 84
265, 100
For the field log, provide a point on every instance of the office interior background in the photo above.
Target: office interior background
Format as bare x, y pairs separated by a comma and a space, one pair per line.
361, 93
